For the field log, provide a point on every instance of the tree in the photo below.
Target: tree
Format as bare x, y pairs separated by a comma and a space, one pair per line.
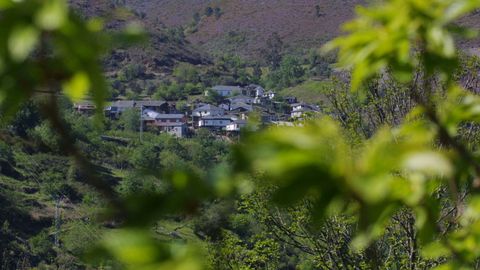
365, 175
418, 174
218, 12
214, 97
130, 120
319, 65
257, 73
185, 72
145, 157
131, 72
208, 11
318, 11
196, 17
273, 51
26, 119
289, 73
172, 91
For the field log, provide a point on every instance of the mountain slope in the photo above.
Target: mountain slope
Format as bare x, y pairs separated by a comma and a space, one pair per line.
241, 26
244, 26
164, 48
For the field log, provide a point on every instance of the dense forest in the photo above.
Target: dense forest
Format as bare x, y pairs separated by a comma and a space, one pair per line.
356, 153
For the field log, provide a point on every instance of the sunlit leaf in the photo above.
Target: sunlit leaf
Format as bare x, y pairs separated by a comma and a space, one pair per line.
429, 163
435, 250
77, 87
137, 249
22, 41
52, 14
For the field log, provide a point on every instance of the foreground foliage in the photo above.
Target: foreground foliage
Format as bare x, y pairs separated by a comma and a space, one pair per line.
295, 187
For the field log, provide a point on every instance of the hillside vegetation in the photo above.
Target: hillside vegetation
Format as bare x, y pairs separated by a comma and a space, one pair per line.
227, 140
244, 26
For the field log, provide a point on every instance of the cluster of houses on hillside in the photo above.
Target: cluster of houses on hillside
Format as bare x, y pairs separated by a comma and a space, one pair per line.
230, 115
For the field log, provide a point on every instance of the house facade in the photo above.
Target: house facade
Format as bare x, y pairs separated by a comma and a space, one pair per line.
253, 90
215, 122
86, 107
299, 109
116, 108
207, 110
175, 124
236, 125
290, 100
227, 90
240, 107
242, 99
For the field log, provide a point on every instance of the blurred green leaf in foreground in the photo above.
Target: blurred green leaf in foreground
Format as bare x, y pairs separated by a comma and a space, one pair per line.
45, 48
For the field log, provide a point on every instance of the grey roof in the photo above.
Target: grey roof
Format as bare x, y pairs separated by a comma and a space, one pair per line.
223, 117
123, 104
170, 124
226, 87
84, 103
240, 97
306, 109
238, 105
305, 105
240, 121
169, 116
136, 103
150, 103
298, 104
207, 107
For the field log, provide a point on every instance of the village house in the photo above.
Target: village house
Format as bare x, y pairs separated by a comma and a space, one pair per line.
154, 105
287, 124
253, 90
240, 104
299, 109
270, 95
216, 122
290, 100
226, 90
85, 107
118, 107
175, 124
240, 107
236, 125
242, 99
207, 110
267, 98
225, 105
267, 117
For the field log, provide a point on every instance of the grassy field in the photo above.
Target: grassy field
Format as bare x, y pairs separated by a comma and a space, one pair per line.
309, 91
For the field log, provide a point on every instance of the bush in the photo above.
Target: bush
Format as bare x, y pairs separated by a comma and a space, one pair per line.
289, 73
208, 11
185, 72
43, 134
26, 119
132, 71
145, 157
213, 219
129, 185
130, 120
171, 92
218, 12
79, 236
42, 246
